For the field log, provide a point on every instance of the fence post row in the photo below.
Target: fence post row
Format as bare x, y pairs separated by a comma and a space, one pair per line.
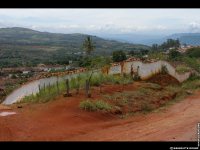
57, 85
67, 86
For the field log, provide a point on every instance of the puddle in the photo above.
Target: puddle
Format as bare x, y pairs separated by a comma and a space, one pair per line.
7, 113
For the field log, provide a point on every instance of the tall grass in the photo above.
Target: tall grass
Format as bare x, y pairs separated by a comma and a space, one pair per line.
95, 105
78, 82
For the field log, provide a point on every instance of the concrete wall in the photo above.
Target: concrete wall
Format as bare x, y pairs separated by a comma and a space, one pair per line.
115, 69
147, 70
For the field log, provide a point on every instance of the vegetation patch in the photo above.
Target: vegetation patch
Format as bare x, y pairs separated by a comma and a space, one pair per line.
145, 99
76, 83
97, 105
182, 69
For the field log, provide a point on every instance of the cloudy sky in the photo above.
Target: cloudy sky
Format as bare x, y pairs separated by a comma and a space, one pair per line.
109, 21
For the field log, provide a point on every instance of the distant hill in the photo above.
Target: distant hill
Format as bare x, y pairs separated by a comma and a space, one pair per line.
135, 38
185, 38
22, 46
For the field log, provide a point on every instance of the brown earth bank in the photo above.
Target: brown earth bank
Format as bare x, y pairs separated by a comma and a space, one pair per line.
63, 120
163, 79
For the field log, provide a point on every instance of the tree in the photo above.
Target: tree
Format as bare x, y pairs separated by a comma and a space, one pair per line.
170, 43
118, 56
88, 45
95, 64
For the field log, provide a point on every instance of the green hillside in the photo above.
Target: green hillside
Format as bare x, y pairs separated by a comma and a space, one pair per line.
22, 46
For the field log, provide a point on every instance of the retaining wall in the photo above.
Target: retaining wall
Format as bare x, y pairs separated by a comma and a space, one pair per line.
147, 70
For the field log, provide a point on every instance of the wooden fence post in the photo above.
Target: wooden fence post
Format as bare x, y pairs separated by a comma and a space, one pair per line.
39, 87
57, 86
87, 89
67, 86
49, 88
44, 87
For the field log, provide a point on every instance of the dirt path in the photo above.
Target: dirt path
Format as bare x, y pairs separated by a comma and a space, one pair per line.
177, 123
63, 120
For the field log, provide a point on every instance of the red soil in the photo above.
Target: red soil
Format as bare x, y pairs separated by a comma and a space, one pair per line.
63, 120
163, 79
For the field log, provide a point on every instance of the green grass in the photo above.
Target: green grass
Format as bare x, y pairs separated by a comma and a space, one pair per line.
192, 62
50, 92
182, 69
90, 105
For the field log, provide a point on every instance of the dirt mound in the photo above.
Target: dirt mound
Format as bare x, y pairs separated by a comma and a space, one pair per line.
163, 79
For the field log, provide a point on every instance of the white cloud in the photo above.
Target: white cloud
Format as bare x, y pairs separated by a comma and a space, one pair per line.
194, 26
102, 20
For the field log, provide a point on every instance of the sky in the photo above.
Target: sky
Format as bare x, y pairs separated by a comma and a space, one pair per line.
104, 21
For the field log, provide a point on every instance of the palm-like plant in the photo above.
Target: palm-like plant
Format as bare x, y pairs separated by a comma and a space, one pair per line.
88, 45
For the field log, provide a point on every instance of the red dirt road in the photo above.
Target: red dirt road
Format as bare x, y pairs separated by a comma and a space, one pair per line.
63, 120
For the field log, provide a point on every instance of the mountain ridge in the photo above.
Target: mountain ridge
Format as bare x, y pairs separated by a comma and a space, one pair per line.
23, 46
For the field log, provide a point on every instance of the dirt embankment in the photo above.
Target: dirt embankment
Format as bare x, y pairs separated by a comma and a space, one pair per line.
62, 119
163, 80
